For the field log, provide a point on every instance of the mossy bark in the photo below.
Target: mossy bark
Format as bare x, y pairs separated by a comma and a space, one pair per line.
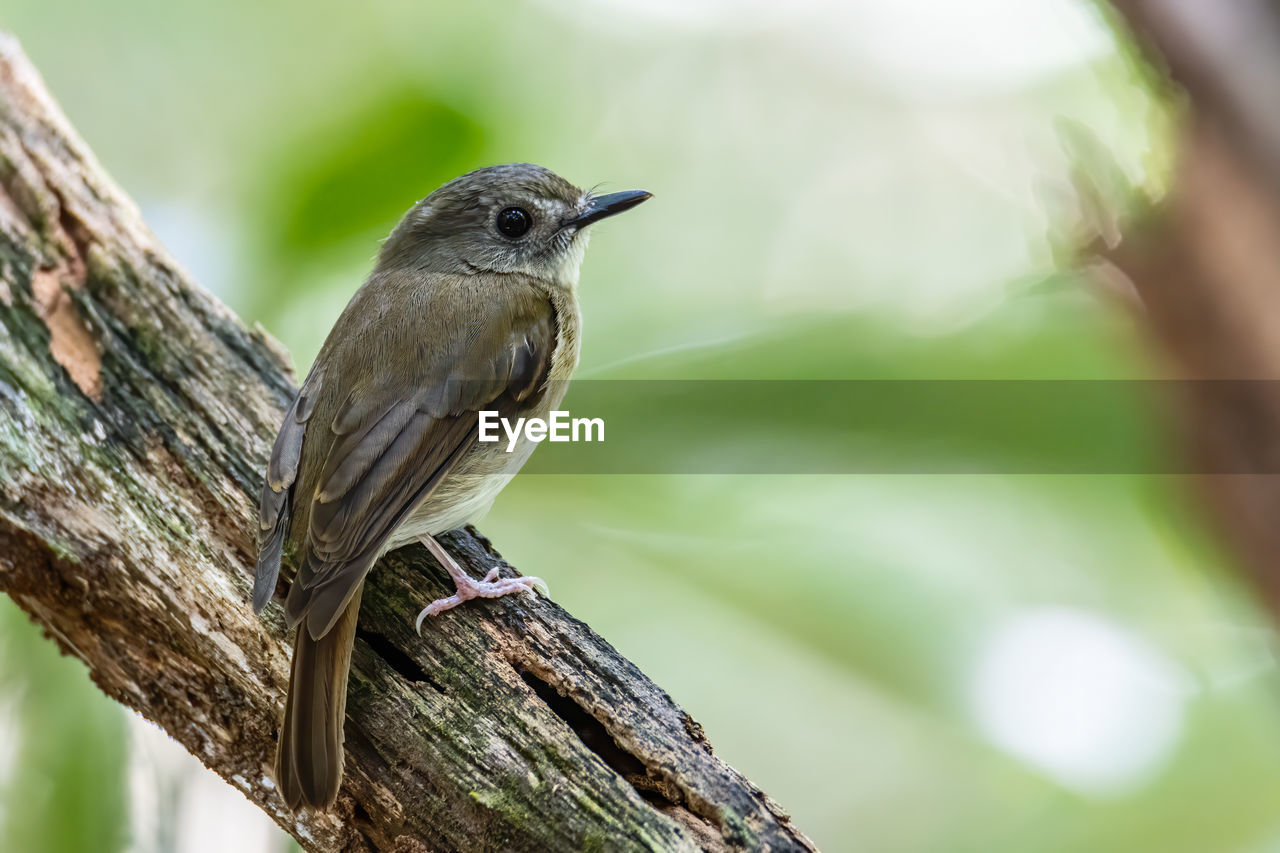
136, 415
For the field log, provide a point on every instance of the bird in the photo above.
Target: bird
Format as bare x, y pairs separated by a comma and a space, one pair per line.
471, 306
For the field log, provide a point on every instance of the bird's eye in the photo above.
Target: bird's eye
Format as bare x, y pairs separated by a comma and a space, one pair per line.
514, 221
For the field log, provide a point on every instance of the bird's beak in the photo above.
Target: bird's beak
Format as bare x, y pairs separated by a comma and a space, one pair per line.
602, 206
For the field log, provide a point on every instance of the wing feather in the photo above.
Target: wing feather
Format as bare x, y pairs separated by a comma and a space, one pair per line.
387, 444
277, 491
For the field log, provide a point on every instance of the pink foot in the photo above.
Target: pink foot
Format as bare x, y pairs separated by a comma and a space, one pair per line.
491, 586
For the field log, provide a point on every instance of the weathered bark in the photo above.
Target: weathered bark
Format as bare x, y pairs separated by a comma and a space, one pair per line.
1207, 262
136, 414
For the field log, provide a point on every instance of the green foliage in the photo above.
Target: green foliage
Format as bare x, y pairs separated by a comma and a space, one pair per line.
349, 179
65, 789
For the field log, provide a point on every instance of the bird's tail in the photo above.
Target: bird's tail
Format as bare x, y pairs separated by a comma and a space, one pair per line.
309, 755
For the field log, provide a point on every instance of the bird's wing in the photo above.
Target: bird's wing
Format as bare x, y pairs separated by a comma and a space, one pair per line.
276, 505
391, 441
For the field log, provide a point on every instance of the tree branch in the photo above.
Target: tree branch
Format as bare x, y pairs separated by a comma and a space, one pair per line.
136, 415
1207, 264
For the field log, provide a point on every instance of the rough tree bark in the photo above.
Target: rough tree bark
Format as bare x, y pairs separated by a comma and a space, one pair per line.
136, 415
1207, 263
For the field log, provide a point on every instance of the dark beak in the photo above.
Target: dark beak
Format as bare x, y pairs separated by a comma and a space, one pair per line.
603, 206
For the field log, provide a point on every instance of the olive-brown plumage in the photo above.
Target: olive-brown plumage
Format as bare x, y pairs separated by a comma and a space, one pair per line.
472, 305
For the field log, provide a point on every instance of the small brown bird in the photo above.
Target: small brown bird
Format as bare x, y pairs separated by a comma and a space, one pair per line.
472, 305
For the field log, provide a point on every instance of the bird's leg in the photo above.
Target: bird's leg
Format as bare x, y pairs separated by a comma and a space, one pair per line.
491, 586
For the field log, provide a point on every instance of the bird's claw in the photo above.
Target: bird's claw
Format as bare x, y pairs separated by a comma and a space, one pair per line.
490, 586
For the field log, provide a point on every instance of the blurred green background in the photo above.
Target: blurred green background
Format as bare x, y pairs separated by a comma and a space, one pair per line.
872, 189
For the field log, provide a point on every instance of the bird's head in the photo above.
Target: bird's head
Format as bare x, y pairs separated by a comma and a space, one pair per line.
517, 218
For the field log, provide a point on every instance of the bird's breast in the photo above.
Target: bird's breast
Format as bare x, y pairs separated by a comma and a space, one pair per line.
468, 491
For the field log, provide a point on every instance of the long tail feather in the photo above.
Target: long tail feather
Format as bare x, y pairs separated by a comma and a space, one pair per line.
309, 755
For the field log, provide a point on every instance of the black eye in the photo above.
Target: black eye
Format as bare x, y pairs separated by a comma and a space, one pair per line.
514, 221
